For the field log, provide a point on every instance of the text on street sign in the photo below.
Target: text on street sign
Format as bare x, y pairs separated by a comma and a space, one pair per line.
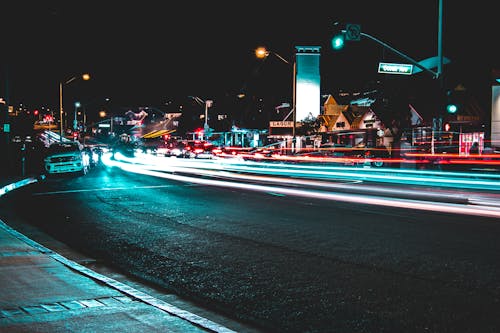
391, 68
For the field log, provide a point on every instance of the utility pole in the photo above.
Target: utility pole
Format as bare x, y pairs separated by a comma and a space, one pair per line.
6, 125
440, 44
208, 103
263, 53
440, 77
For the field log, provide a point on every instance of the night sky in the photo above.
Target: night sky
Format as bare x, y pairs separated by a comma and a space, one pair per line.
152, 52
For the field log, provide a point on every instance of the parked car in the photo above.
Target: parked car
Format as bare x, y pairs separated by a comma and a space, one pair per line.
66, 157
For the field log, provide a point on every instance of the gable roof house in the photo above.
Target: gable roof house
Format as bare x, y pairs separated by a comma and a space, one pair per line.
362, 117
332, 115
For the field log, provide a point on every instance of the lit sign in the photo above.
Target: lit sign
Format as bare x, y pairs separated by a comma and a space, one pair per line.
281, 123
389, 68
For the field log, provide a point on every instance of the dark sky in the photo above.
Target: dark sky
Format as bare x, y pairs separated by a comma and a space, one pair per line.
150, 52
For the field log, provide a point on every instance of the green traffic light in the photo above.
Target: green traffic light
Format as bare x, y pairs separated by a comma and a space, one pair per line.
338, 41
451, 108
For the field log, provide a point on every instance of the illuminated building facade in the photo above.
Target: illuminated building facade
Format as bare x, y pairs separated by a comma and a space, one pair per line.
307, 82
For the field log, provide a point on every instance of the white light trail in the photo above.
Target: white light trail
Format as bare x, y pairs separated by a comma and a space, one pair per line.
401, 176
344, 197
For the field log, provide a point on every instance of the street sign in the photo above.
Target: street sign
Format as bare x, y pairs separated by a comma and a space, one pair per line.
353, 32
390, 68
283, 123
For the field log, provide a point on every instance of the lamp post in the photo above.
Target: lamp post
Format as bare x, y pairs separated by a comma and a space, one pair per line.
75, 120
85, 77
103, 114
262, 53
208, 104
84, 106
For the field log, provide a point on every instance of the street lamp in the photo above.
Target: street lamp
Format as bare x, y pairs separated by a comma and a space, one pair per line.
262, 53
75, 120
84, 106
85, 77
103, 114
208, 104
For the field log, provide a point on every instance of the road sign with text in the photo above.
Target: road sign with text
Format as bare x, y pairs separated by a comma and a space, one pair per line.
391, 68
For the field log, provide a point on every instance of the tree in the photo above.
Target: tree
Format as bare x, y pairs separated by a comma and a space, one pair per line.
393, 110
309, 126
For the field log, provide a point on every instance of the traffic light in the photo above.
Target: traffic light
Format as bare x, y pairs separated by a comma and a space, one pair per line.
338, 41
451, 108
454, 101
352, 32
35, 113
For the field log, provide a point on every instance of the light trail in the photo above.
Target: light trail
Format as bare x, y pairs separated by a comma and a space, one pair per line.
460, 180
487, 211
344, 186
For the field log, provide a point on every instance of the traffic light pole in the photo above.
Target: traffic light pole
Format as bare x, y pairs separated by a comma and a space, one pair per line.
440, 44
61, 111
4, 104
435, 75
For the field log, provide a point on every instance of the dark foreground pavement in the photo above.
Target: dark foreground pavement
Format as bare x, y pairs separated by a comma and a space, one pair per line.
43, 291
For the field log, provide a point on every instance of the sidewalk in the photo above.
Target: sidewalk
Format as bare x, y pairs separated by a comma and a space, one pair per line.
42, 291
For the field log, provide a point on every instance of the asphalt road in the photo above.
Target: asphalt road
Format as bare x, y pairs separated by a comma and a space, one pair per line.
281, 263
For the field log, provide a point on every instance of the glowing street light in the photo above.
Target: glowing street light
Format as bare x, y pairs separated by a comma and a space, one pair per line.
85, 77
84, 106
262, 53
